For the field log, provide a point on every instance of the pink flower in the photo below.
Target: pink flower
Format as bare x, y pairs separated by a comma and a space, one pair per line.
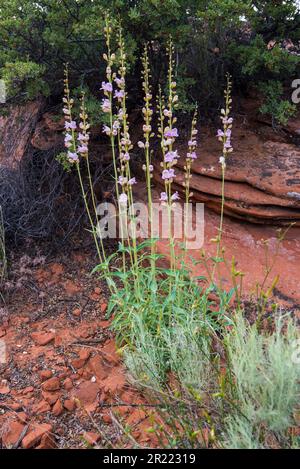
119, 81
107, 87
73, 157
171, 133
132, 181
122, 180
168, 174
68, 140
70, 125
83, 137
125, 156
227, 120
119, 94
163, 197
106, 106
175, 196
106, 130
192, 156
171, 156
83, 149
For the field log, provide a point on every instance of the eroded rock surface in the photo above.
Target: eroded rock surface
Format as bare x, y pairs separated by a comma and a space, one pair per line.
16, 127
262, 175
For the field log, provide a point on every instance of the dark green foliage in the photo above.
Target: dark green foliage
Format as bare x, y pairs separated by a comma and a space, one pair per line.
211, 37
274, 105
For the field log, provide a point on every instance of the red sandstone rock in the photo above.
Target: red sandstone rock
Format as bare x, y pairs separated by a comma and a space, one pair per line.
50, 397
4, 389
45, 374
42, 338
69, 405
67, 384
57, 408
41, 407
12, 433
35, 435
47, 442
52, 384
91, 438
97, 368
76, 312
86, 395
115, 382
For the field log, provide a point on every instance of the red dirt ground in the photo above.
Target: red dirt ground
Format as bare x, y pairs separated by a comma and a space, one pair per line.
63, 384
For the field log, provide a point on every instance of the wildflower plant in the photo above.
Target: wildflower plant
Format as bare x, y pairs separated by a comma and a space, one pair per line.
165, 320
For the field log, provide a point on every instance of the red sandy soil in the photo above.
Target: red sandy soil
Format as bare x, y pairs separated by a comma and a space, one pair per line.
63, 384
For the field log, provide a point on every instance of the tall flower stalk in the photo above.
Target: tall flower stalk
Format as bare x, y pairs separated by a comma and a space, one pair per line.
125, 146
147, 130
72, 136
190, 157
83, 149
168, 134
224, 136
107, 103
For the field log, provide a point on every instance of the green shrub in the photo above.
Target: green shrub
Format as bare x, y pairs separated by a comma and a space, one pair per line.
209, 38
281, 110
24, 80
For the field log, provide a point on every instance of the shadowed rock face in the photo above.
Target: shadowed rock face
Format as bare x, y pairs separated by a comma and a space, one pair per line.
16, 128
262, 176
48, 132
